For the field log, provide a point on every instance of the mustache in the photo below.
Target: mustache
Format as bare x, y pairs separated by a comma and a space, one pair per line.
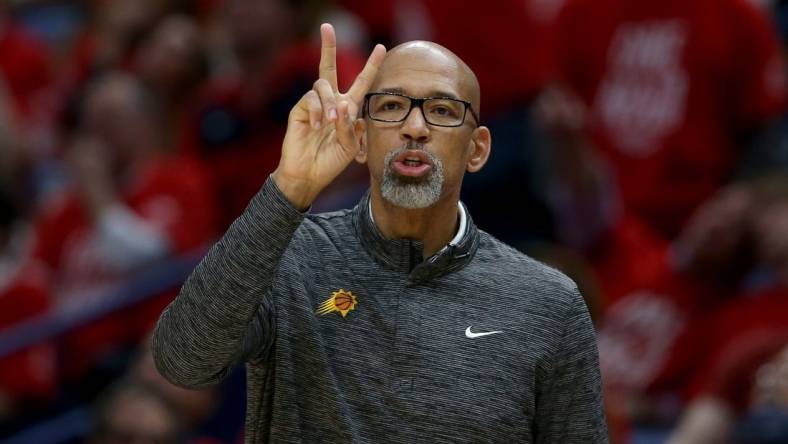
412, 145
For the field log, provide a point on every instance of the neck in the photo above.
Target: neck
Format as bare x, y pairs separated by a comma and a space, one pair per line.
434, 226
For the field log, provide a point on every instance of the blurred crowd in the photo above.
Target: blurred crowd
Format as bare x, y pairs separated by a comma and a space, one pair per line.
639, 146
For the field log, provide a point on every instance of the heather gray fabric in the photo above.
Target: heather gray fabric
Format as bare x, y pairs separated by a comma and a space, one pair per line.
399, 367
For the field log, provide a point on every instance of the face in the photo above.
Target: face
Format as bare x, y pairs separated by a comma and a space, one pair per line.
113, 115
414, 164
167, 59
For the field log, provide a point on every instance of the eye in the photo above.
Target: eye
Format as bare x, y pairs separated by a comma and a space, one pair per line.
388, 105
391, 106
443, 108
441, 111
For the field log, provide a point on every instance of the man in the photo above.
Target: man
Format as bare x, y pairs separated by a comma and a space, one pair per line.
399, 320
130, 205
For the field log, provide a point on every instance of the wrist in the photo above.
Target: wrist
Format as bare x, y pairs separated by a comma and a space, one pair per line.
298, 192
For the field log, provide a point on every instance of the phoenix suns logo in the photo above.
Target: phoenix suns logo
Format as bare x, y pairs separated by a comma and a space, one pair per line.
341, 301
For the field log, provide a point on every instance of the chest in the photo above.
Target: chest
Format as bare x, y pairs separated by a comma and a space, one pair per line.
454, 346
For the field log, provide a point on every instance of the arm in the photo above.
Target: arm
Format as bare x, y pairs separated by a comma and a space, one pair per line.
223, 314
569, 402
202, 333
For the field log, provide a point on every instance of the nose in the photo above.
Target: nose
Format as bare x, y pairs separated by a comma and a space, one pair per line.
415, 127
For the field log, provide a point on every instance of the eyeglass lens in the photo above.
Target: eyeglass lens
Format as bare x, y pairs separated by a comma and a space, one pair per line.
392, 108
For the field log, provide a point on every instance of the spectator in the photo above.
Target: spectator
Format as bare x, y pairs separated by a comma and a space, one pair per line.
27, 377
172, 62
744, 333
676, 92
112, 36
238, 125
129, 195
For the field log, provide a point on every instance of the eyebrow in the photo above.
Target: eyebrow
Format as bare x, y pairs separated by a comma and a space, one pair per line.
433, 93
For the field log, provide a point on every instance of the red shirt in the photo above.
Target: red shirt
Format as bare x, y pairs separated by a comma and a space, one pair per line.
742, 335
652, 313
172, 193
669, 85
29, 373
508, 45
24, 65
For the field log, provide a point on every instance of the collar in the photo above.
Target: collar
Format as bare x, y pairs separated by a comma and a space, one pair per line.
405, 255
460, 230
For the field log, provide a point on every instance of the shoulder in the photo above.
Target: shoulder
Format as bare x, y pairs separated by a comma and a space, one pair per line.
522, 273
330, 227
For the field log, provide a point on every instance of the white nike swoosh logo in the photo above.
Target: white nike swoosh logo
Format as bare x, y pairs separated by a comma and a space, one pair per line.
470, 334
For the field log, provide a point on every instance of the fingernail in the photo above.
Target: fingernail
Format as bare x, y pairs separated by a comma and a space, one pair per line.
332, 114
316, 124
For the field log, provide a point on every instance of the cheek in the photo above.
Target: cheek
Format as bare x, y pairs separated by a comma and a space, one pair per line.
455, 159
379, 143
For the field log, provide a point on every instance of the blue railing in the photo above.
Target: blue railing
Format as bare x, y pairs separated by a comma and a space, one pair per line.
147, 284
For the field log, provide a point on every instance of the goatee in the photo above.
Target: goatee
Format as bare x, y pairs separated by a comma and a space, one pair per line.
408, 192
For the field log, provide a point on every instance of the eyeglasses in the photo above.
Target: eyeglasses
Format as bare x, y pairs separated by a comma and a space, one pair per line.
438, 111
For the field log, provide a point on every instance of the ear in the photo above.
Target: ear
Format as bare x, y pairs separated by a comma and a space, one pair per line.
360, 127
480, 145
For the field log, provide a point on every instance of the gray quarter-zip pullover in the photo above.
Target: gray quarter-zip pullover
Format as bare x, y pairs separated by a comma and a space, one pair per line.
352, 337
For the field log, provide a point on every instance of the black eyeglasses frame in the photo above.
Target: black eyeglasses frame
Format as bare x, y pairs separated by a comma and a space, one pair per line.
419, 102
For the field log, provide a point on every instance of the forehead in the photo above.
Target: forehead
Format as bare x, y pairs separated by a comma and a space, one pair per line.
421, 71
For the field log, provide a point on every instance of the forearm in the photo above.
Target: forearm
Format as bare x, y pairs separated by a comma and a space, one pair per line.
201, 334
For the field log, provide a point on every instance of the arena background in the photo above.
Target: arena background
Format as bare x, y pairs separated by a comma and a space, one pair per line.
639, 146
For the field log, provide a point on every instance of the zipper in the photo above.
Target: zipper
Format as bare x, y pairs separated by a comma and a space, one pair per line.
412, 256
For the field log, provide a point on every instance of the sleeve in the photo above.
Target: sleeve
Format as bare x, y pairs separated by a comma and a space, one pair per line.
569, 403
223, 313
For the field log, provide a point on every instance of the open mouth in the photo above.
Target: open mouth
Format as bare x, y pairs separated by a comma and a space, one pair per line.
412, 163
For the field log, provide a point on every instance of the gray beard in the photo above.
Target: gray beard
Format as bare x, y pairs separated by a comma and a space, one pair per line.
411, 194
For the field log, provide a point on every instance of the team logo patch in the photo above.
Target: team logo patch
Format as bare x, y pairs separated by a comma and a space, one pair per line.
341, 301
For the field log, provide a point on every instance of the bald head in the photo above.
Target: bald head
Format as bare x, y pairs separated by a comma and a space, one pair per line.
431, 58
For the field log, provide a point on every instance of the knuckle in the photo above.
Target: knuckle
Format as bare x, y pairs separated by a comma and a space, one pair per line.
322, 84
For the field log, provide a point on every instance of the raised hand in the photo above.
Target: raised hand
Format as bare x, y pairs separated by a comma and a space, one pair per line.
321, 137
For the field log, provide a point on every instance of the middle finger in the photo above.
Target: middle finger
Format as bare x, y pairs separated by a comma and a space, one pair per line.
327, 99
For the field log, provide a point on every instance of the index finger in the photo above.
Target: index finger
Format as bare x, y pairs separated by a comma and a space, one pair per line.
328, 55
364, 80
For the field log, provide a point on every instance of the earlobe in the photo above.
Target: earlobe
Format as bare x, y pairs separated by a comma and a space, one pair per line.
481, 143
